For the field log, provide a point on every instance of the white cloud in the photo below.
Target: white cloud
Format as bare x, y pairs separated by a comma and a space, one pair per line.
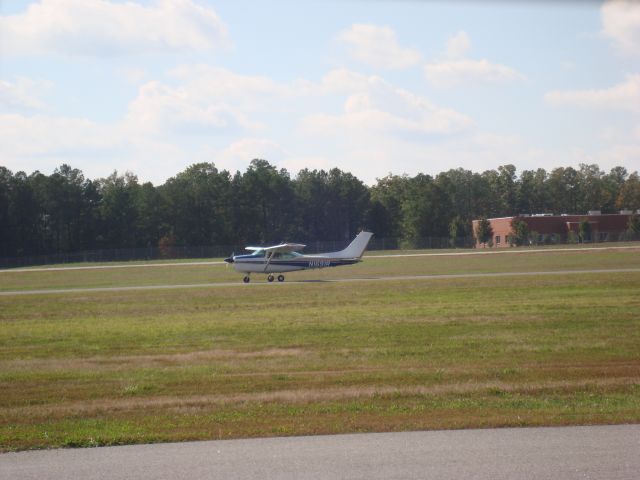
458, 45
608, 157
624, 96
345, 81
167, 125
161, 110
239, 154
204, 99
23, 94
101, 27
43, 135
376, 107
43, 142
207, 100
620, 154
455, 72
214, 84
621, 23
455, 69
371, 156
363, 124
378, 47
133, 75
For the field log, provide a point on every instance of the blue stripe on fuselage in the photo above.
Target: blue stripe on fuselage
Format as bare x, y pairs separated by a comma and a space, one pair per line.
307, 263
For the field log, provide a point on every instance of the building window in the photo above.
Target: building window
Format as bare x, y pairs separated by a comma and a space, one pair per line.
497, 239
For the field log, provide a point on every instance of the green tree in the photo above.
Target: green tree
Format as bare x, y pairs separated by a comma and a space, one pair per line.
507, 188
6, 243
584, 230
629, 193
459, 231
334, 205
592, 190
484, 231
613, 183
23, 212
118, 210
151, 218
391, 193
63, 202
425, 212
264, 203
563, 188
633, 228
460, 187
519, 232
378, 219
532, 195
348, 202
198, 206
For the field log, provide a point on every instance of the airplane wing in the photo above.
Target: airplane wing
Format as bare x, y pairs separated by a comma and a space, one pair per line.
283, 247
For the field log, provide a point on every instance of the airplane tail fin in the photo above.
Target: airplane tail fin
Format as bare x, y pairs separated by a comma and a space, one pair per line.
357, 247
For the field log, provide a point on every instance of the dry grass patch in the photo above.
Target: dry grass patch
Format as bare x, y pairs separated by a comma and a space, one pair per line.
123, 367
124, 362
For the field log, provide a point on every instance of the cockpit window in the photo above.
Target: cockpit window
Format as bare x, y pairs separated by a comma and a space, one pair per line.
285, 255
276, 255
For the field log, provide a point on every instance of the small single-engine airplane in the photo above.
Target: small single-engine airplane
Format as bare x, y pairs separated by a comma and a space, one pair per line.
285, 258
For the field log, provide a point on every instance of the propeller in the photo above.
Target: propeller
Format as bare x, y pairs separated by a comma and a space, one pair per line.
230, 259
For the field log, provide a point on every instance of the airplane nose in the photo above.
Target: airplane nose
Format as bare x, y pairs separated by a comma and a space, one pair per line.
229, 260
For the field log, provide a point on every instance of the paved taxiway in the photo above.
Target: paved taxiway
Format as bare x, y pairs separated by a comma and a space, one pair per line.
397, 255
592, 452
298, 282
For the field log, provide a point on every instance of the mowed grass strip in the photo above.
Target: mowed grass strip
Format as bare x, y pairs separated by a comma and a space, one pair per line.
177, 274
107, 368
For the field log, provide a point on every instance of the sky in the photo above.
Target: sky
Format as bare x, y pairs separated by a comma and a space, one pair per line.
372, 87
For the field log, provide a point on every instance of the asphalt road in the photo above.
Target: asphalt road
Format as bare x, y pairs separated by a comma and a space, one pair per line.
151, 264
594, 452
294, 282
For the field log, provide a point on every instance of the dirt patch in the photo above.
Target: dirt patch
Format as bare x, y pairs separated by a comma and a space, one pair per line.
145, 361
194, 403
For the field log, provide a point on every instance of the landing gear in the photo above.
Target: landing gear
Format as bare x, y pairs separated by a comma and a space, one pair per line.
270, 278
246, 279
281, 278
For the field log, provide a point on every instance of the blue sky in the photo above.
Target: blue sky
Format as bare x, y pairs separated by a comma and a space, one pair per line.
372, 87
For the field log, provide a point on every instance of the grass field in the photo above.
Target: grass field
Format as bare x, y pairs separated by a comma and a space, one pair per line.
104, 368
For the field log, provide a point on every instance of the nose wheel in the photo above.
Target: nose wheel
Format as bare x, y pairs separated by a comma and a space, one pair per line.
246, 279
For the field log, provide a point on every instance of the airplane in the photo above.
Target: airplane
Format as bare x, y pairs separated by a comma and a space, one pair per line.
286, 258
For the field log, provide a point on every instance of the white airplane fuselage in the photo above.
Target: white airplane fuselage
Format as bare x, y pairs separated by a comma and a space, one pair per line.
256, 264
284, 258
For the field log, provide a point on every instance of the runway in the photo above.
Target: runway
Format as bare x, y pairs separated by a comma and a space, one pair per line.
399, 255
303, 282
590, 452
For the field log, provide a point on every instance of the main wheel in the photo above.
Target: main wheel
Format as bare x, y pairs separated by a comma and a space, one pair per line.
246, 279
281, 278
270, 278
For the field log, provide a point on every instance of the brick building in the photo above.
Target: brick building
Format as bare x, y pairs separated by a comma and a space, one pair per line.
556, 228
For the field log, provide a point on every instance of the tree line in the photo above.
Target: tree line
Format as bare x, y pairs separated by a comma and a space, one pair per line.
67, 212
